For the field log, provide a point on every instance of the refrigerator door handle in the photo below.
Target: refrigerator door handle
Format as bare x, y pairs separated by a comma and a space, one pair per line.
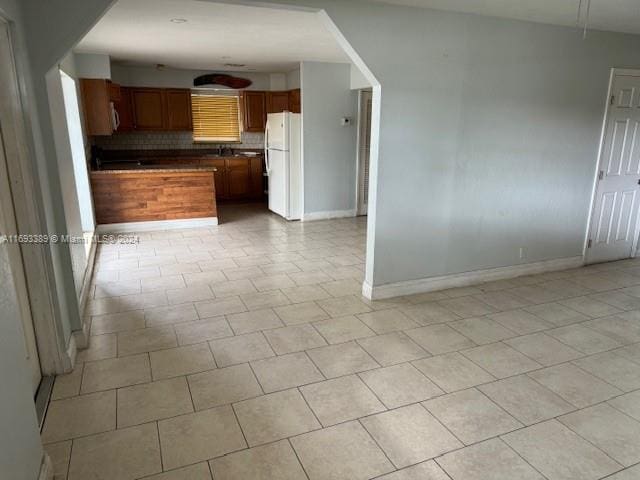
266, 148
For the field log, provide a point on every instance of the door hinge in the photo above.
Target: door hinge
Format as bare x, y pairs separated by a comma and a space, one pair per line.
589, 243
613, 97
600, 174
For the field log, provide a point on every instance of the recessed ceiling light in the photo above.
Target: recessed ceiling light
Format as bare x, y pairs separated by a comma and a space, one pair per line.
237, 65
179, 20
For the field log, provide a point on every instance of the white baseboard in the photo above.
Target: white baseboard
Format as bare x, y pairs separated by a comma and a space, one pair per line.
309, 217
72, 350
81, 341
430, 284
46, 468
132, 227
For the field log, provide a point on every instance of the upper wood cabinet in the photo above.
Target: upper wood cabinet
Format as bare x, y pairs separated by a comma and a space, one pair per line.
277, 102
255, 110
96, 102
257, 104
161, 109
149, 110
294, 101
123, 110
178, 109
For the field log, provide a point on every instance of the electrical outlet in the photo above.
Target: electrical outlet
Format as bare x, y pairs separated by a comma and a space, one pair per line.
521, 252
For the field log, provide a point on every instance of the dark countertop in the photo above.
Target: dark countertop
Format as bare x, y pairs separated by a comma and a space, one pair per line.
114, 155
135, 168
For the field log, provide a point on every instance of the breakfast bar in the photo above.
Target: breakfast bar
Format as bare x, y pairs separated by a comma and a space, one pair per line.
131, 193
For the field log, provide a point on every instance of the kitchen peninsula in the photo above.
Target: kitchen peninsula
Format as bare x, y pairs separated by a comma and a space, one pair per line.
131, 193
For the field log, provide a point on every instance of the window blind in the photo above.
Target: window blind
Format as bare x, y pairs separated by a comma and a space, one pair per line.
216, 118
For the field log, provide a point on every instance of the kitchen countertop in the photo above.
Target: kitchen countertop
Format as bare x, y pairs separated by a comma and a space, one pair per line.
115, 155
135, 168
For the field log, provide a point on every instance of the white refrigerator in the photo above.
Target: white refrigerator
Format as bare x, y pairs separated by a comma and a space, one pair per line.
283, 159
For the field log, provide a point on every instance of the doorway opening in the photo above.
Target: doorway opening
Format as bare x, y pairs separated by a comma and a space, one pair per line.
614, 226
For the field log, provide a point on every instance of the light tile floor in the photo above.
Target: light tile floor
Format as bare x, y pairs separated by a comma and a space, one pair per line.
245, 351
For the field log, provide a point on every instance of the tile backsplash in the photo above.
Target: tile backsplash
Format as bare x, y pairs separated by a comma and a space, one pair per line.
169, 141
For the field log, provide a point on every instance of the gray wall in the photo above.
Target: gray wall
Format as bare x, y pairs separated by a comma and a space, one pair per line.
489, 129
329, 149
489, 136
20, 448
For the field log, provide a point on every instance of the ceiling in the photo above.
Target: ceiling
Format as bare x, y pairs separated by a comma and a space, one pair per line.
612, 15
140, 32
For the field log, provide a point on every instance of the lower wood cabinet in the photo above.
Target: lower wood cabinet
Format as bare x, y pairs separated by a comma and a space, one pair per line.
237, 178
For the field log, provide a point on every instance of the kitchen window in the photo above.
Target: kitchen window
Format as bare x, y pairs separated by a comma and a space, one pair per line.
216, 117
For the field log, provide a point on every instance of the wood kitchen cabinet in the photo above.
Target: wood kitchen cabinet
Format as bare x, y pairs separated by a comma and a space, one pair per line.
96, 102
122, 106
149, 110
277, 102
178, 109
161, 109
294, 101
254, 110
237, 178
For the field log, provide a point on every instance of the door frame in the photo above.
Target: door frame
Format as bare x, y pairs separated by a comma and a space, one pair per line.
594, 190
30, 214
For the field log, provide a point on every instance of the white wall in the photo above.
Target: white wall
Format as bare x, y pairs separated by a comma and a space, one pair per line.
90, 65
64, 153
20, 447
293, 79
277, 81
358, 80
78, 152
329, 148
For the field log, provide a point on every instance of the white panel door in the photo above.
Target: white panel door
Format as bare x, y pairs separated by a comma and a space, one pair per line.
278, 175
614, 221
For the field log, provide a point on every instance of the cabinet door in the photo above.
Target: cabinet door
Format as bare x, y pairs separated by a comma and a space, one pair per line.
257, 179
219, 177
95, 103
255, 113
123, 108
239, 177
115, 93
294, 101
148, 108
277, 102
178, 109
